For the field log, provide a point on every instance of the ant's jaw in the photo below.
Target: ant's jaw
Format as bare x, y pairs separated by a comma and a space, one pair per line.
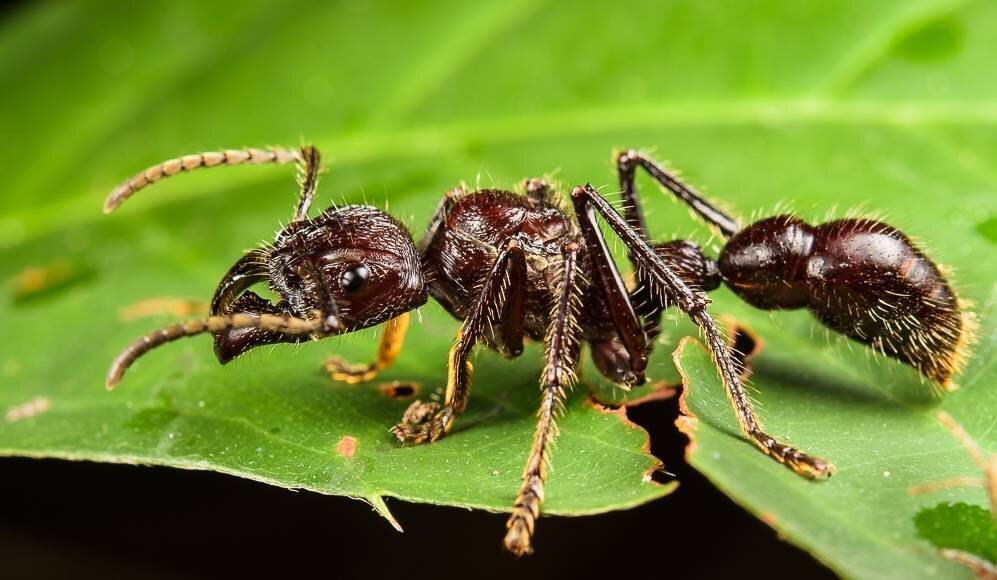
229, 344
233, 343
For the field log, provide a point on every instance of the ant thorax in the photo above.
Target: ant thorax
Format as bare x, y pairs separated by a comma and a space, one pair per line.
462, 251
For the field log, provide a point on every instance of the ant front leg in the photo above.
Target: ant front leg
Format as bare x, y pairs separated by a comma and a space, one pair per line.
390, 345
427, 421
586, 200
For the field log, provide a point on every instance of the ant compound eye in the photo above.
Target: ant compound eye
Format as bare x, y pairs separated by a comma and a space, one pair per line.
352, 280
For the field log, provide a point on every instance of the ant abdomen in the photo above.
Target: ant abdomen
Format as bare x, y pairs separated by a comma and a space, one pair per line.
859, 277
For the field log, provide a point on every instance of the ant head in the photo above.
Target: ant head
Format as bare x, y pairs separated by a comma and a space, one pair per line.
354, 266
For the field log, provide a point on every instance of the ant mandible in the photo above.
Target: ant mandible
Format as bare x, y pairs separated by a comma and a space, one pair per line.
511, 266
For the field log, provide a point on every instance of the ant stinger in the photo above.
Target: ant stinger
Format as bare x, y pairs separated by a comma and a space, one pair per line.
511, 266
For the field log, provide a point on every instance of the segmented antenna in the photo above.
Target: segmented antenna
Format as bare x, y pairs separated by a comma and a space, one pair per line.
172, 167
275, 323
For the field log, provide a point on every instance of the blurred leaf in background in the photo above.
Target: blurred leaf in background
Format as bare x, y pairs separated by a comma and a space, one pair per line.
889, 106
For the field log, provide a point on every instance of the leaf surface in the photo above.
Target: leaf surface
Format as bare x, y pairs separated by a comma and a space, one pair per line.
889, 106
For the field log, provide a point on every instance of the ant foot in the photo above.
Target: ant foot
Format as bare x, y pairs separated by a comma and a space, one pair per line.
341, 370
517, 537
801, 463
423, 422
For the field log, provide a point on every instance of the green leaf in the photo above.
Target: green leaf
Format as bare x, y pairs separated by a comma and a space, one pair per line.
959, 526
883, 439
888, 105
271, 416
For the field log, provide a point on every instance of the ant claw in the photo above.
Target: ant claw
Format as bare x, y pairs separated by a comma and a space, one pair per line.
423, 422
804, 465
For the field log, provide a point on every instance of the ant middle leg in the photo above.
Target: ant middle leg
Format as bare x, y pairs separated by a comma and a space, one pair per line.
586, 200
558, 375
627, 163
390, 345
428, 421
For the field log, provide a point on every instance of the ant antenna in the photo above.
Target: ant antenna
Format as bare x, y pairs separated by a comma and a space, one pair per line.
276, 323
172, 167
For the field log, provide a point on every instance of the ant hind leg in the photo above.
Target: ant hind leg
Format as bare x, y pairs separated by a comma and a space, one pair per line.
586, 200
627, 324
627, 163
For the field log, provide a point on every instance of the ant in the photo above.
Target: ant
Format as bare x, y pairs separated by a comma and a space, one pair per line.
512, 266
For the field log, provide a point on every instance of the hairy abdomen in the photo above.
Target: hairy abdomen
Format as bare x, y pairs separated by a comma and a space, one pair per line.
861, 278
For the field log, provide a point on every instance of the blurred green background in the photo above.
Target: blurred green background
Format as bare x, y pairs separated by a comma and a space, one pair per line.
889, 106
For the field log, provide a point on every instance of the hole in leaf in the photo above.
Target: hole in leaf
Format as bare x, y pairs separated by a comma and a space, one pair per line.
399, 389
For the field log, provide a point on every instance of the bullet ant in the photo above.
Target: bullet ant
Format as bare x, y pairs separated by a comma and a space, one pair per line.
511, 266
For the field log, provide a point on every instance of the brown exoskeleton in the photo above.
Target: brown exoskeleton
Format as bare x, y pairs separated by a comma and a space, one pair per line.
513, 266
